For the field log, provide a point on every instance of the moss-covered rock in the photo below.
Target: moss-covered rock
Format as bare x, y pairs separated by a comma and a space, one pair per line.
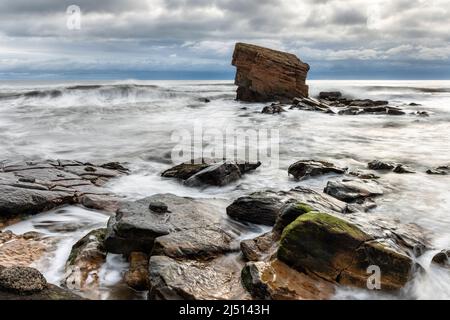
340, 251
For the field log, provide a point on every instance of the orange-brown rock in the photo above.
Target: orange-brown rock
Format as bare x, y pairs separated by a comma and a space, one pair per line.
268, 75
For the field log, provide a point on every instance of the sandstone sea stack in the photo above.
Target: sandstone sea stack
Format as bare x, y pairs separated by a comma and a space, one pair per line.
267, 75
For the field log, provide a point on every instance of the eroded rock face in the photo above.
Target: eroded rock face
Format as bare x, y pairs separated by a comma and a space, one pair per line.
274, 280
135, 226
341, 249
268, 75
85, 260
33, 187
310, 168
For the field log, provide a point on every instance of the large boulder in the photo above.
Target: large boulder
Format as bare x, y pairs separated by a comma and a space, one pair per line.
264, 207
268, 75
341, 249
137, 224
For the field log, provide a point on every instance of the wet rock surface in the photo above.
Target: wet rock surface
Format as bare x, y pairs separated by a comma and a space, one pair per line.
135, 227
36, 186
198, 243
441, 170
218, 279
268, 75
351, 190
310, 168
274, 280
274, 108
85, 260
340, 249
442, 259
264, 207
137, 276
210, 172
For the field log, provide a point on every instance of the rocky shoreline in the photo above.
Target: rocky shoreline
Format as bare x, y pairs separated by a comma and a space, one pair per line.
185, 248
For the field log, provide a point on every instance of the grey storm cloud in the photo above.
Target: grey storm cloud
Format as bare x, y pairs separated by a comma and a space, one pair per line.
200, 34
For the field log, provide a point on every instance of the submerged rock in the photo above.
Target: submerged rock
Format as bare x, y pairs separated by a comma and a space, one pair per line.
273, 109
274, 280
135, 226
353, 190
341, 250
85, 260
442, 259
264, 207
311, 168
218, 279
268, 75
333, 95
403, 169
442, 170
381, 165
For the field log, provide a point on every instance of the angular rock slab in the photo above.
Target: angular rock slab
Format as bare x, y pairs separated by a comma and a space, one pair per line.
268, 75
135, 226
351, 190
193, 280
36, 186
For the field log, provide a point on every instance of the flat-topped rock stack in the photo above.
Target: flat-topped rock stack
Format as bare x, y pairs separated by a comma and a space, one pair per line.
268, 75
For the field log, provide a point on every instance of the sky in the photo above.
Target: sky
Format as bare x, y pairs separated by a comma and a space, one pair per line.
194, 39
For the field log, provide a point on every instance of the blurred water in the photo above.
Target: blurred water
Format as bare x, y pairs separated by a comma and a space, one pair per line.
133, 122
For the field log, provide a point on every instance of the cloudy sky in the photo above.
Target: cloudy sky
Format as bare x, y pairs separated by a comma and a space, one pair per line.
340, 39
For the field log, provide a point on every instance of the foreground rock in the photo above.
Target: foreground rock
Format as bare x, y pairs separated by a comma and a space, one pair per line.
341, 249
195, 280
276, 281
33, 187
311, 168
268, 75
23, 283
260, 248
209, 173
85, 260
265, 207
136, 226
